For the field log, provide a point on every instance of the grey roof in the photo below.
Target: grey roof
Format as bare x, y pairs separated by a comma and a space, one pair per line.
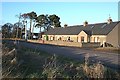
89, 32
90, 29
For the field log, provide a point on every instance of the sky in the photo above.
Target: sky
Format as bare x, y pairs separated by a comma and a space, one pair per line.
59, 0
71, 13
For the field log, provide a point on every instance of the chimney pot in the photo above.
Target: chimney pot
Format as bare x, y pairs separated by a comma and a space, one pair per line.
109, 20
65, 25
85, 23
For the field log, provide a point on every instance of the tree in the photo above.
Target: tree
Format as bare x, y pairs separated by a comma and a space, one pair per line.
55, 20
43, 21
18, 24
46, 21
7, 30
25, 16
32, 16
17, 30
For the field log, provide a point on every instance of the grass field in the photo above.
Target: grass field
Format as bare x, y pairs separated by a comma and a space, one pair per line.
22, 62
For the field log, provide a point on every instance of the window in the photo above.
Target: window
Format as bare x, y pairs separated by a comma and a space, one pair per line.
97, 39
88, 38
53, 38
94, 39
68, 38
50, 37
60, 38
82, 38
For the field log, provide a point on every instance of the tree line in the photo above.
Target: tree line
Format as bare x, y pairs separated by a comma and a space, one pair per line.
42, 21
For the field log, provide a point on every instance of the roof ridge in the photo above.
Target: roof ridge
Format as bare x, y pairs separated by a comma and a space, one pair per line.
94, 23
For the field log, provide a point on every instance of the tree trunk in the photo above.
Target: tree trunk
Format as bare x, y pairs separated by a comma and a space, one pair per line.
32, 30
30, 27
40, 33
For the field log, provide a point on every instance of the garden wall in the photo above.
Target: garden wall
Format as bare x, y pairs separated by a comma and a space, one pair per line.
67, 43
64, 43
97, 44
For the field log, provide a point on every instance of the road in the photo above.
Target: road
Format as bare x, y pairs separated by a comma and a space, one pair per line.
106, 58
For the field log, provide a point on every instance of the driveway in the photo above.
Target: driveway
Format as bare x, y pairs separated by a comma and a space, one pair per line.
106, 58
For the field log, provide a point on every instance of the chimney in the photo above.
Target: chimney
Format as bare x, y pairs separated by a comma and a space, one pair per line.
109, 20
65, 25
85, 23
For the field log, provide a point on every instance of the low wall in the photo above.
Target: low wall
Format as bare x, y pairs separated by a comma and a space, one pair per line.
64, 43
90, 44
67, 43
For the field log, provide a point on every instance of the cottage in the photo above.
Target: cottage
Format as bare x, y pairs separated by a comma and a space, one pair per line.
107, 32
